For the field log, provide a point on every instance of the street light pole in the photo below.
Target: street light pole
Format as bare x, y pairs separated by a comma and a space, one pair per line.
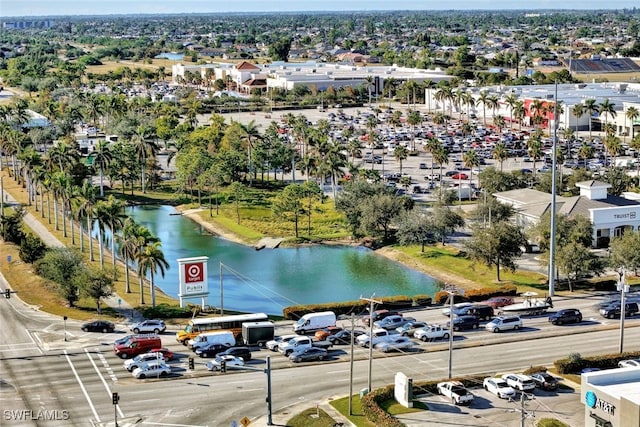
623, 288
371, 303
452, 291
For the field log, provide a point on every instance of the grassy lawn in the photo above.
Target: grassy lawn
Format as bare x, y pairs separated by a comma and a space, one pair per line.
391, 406
311, 417
450, 260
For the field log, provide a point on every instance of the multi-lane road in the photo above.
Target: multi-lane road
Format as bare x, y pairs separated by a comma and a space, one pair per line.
45, 381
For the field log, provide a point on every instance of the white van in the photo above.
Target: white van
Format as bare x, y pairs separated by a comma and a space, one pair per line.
219, 337
312, 322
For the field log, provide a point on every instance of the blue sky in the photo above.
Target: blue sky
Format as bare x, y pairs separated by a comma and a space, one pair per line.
108, 7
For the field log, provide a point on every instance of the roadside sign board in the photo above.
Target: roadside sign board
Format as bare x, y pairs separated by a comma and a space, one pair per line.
245, 421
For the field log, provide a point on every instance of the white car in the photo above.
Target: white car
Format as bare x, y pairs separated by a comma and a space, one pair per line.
148, 326
499, 387
273, 344
631, 363
399, 343
143, 359
216, 364
151, 370
520, 382
447, 309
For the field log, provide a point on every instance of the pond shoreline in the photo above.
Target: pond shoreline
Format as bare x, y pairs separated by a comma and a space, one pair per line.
388, 252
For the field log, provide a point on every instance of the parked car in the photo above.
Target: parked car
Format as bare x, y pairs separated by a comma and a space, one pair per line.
323, 334
455, 391
519, 382
230, 361
273, 344
166, 353
460, 176
544, 381
98, 326
409, 328
392, 322
464, 322
242, 352
504, 323
148, 326
499, 387
379, 315
399, 343
142, 359
497, 302
458, 306
630, 363
431, 333
344, 336
568, 315
614, 309
211, 349
308, 354
152, 369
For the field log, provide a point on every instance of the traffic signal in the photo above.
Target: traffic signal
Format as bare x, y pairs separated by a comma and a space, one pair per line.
191, 363
115, 398
223, 366
7, 293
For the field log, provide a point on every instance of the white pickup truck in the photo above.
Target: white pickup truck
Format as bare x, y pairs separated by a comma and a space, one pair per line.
455, 391
431, 333
379, 335
299, 343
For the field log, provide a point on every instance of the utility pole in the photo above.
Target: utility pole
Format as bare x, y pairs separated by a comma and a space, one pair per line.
524, 413
552, 243
452, 291
371, 303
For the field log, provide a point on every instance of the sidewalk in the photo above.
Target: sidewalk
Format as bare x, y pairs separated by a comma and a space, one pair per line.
114, 301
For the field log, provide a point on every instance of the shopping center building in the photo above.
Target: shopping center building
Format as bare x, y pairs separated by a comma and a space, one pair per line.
611, 398
610, 216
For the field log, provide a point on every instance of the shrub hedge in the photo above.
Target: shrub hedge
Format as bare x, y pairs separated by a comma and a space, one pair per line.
476, 295
576, 363
358, 307
165, 311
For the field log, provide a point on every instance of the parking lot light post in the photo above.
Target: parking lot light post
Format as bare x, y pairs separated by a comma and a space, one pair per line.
623, 288
452, 291
371, 303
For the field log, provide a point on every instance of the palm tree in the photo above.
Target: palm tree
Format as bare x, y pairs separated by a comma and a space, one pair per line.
519, 112
590, 108
413, 118
511, 100
471, 160
86, 208
578, 110
586, 151
538, 111
534, 148
150, 260
128, 246
500, 153
613, 146
400, 153
632, 114
484, 99
250, 134
370, 80
146, 148
109, 213
441, 157
606, 109
102, 157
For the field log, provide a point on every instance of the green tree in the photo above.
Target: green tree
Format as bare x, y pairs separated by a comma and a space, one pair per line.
575, 261
239, 193
60, 265
288, 204
151, 260
279, 50
378, 213
95, 284
32, 248
445, 221
496, 245
413, 227
625, 252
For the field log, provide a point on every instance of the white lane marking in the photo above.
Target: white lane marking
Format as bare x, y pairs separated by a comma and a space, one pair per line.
106, 386
338, 372
84, 390
34, 342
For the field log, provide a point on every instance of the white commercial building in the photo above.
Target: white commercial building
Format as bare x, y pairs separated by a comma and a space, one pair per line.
611, 398
610, 216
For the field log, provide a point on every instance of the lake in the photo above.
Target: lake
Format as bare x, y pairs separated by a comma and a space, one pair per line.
271, 279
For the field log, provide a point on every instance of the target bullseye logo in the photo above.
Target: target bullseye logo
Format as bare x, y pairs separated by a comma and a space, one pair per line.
193, 272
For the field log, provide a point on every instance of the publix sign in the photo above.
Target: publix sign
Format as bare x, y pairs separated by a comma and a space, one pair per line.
595, 402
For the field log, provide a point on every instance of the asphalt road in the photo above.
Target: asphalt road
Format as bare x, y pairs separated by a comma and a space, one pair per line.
41, 372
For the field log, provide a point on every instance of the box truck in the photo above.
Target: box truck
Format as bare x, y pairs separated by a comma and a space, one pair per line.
257, 333
312, 322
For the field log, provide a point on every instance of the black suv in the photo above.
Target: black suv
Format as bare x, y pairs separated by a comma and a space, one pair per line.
211, 349
481, 311
569, 315
613, 310
465, 322
242, 352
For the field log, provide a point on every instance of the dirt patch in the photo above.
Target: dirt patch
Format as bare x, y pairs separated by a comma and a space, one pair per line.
193, 214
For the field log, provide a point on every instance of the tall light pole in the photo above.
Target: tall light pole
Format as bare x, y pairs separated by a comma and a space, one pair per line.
623, 288
452, 291
552, 244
